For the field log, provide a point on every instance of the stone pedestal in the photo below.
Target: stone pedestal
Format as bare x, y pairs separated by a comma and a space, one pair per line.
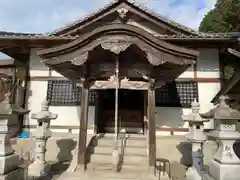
225, 164
9, 161
197, 138
39, 168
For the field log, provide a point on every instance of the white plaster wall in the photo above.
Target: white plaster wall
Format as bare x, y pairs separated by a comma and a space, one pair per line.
37, 68
208, 67
171, 117
207, 91
189, 73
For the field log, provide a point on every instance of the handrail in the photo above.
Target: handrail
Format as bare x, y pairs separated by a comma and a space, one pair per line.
146, 131
122, 140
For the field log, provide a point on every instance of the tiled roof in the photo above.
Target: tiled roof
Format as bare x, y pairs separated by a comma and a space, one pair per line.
17, 34
200, 35
11, 35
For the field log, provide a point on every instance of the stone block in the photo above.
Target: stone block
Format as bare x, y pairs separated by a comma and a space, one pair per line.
8, 163
224, 171
17, 174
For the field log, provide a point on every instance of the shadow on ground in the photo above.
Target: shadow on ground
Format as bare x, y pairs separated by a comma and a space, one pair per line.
185, 148
58, 169
178, 171
66, 146
64, 157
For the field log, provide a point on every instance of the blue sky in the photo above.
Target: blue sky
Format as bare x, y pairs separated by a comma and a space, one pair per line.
40, 16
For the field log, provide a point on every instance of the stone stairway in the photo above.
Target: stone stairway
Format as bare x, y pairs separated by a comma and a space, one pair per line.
133, 162
134, 154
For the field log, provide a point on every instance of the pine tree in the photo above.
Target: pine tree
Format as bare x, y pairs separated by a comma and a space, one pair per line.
225, 17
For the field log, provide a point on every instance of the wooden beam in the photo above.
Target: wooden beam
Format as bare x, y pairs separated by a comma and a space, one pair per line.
234, 52
151, 126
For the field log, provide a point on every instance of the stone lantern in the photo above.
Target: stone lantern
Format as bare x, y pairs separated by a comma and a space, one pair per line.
225, 164
40, 168
9, 161
197, 138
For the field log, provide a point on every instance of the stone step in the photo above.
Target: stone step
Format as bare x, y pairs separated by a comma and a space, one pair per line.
109, 176
135, 159
131, 159
123, 174
101, 175
99, 166
127, 150
101, 158
123, 167
129, 136
131, 142
136, 142
135, 151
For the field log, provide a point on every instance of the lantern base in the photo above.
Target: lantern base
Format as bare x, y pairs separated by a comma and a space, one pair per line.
193, 174
224, 171
37, 170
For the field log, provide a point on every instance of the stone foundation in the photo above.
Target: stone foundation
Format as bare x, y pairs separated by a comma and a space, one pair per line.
224, 171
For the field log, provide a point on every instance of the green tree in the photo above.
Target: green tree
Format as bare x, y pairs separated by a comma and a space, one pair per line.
225, 17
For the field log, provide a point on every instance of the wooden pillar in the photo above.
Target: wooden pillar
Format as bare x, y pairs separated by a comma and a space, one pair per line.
83, 124
145, 117
151, 126
13, 84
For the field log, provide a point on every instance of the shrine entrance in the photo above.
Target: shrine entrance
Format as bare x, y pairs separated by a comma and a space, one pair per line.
130, 111
119, 56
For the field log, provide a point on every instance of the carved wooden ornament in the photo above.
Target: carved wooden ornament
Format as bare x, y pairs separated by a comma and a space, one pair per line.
124, 84
122, 12
154, 60
115, 46
80, 60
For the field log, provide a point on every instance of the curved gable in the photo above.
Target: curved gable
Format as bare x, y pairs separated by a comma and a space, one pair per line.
123, 33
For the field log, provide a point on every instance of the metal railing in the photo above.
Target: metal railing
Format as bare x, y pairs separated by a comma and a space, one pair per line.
121, 149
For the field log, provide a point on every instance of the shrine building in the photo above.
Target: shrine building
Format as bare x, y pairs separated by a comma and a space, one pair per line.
122, 69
